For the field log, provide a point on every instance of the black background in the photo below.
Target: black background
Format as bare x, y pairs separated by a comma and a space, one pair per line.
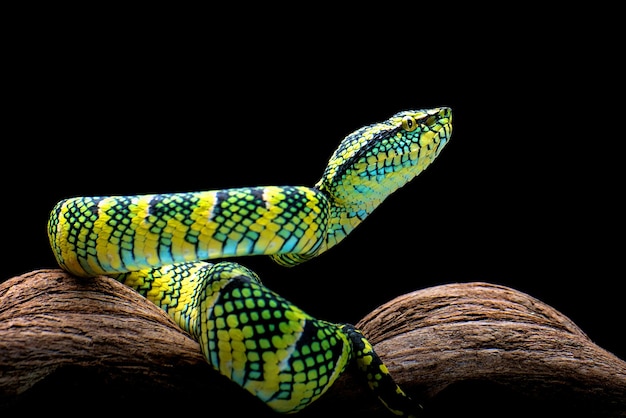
528, 192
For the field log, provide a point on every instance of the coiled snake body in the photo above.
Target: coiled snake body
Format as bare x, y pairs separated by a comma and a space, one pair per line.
250, 334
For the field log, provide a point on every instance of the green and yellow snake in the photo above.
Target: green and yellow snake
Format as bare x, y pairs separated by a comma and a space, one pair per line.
282, 355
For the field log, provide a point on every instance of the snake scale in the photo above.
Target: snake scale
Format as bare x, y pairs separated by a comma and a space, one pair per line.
156, 244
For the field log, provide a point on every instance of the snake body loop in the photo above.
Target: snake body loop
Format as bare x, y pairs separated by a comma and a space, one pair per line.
115, 234
282, 355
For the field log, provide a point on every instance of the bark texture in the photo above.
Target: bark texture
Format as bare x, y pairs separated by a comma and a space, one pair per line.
93, 345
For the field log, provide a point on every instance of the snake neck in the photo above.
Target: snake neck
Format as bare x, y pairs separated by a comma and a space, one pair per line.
369, 165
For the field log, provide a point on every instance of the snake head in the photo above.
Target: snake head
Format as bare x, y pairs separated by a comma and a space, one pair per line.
376, 160
374, 156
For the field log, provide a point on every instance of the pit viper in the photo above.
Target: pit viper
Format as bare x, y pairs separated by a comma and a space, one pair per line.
158, 244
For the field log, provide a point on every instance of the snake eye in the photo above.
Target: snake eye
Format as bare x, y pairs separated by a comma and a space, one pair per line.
408, 123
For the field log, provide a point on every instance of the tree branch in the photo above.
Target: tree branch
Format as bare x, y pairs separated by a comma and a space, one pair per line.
68, 343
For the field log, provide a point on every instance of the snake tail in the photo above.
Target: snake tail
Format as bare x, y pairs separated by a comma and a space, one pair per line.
378, 377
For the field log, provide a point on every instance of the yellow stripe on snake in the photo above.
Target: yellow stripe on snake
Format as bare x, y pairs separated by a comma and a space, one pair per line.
282, 355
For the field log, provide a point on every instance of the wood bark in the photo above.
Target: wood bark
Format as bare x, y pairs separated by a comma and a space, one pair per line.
73, 345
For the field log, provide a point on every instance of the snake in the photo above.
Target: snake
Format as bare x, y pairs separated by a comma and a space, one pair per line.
163, 246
